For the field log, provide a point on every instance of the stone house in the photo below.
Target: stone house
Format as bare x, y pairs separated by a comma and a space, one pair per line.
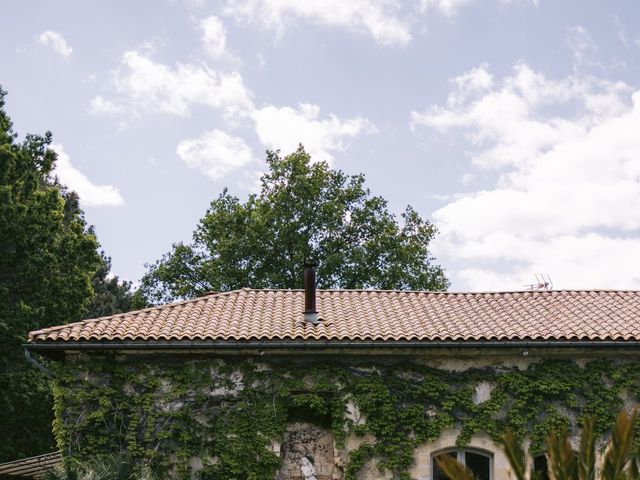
254, 384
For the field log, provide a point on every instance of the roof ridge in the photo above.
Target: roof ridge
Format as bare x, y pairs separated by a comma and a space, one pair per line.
429, 292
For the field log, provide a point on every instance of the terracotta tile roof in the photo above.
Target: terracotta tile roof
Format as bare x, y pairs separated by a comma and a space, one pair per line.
33, 467
372, 315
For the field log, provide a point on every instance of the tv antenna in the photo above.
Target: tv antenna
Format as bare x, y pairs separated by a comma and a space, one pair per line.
543, 282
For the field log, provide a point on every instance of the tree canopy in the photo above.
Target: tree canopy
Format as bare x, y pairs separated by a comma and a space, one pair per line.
304, 212
110, 294
49, 268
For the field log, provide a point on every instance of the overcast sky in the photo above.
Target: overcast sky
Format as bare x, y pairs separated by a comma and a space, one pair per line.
514, 125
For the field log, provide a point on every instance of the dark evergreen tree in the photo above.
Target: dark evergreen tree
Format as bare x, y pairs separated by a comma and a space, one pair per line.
48, 256
111, 295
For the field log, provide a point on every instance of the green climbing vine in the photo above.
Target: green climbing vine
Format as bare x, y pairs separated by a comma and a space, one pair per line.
169, 410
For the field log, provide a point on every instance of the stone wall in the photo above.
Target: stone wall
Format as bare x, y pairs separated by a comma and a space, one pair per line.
303, 417
303, 440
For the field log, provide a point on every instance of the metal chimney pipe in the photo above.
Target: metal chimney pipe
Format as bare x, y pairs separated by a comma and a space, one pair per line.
310, 310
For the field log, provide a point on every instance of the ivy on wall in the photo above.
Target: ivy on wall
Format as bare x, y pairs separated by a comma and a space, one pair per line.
166, 410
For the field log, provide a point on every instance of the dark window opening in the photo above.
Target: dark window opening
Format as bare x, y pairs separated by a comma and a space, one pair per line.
302, 413
478, 462
541, 467
438, 474
480, 465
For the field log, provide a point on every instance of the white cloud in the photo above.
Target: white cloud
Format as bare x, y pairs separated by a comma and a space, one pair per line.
215, 153
284, 128
214, 36
621, 31
250, 180
142, 85
91, 195
575, 261
503, 119
472, 82
580, 42
388, 22
566, 155
446, 7
535, 3
55, 41
382, 19
99, 104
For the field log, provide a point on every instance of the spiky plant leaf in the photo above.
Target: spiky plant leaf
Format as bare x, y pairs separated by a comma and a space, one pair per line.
560, 458
587, 454
453, 469
62, 472
515, 454
618, 454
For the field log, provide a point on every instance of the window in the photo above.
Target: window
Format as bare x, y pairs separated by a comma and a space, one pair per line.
540, 467
480, 463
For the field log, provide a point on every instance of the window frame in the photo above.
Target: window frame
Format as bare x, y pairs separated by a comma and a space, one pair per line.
460, 456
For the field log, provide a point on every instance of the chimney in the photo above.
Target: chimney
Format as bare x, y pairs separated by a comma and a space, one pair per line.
310, 311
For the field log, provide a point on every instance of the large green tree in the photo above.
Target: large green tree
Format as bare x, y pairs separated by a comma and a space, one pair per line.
48, 261
110, 294
305, 212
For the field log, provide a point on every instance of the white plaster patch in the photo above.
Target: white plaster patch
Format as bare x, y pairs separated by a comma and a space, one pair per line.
196, 464
170, 406
482, 393
371, 471
353, 413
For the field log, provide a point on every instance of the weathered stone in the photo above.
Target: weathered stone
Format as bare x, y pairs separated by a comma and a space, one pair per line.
307, 441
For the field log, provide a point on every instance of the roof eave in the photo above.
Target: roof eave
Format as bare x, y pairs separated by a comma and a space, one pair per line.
321, 344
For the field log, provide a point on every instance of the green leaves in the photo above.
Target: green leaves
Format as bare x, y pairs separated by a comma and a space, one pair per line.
563, 463
561, 460
304, 212
587, 454
50, 273
620, 462
453, 469
100, 468
47, 260
515, 454
166, 411
110, 295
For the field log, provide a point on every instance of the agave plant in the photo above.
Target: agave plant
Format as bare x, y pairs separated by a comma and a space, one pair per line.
621, 460
100, 468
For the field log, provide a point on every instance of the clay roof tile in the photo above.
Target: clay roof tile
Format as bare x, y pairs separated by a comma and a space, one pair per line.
372, 315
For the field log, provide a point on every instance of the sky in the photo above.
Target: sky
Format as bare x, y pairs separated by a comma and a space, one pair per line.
512, 125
